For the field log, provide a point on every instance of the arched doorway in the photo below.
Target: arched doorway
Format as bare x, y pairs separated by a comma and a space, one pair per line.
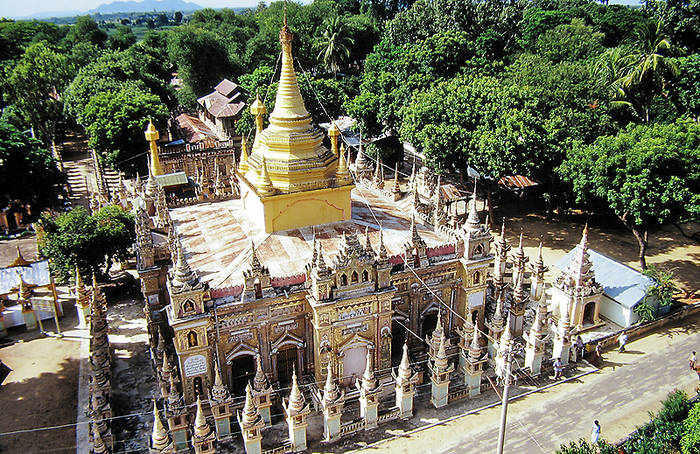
197, 385
589, 313
429, 324
398, 337
354, 362
286, 361
242, 371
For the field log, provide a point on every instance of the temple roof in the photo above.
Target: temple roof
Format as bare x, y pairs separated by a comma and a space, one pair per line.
216, 237
227, 100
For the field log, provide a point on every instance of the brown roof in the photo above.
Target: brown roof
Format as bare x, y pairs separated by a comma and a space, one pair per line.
517, 182
194, 129
216, 237
227, 100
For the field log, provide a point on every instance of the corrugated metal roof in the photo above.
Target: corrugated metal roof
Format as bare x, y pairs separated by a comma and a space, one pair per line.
621, 283
35, 274
172, 179
517, 182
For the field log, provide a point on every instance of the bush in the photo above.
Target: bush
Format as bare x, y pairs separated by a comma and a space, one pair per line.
690, 442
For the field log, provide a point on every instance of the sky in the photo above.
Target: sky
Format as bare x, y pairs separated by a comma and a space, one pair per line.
17, 9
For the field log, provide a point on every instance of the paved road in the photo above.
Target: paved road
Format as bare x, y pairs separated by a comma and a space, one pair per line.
620, 395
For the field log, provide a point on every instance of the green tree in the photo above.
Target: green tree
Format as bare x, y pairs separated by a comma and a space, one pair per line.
28, 173
201, 59
122, 38
650, 69
90, 242
35, 85
113, 71
647, 175
86, 29
685, 92
115, 122
334, 44
570, 42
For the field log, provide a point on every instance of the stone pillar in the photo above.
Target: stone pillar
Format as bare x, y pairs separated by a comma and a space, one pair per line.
440, 377
177, 423
534, 349
405, 386
262, 392
251, 424
562, 343
332, 402
474, 366
369, 395
220, 404
296, 412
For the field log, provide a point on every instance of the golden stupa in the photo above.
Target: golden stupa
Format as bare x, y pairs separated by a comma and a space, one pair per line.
289, 178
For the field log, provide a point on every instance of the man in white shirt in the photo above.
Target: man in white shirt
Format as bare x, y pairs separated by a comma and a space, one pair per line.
595, 433
622, 340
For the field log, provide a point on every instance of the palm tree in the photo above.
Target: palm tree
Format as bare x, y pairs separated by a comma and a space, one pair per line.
650, 68
334, 44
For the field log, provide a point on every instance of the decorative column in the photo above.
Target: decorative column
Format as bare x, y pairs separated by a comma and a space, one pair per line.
251, 424
495, 325
98, 444
474, 366
534, 350
505, 345
262, 392
296, 412
434, 340
82, 300
440, 377
369, 395
466, 331
537, 280
518, 305
177, 416
220, 403
202, 436
332, 403
562, 342
405, 385
160, 442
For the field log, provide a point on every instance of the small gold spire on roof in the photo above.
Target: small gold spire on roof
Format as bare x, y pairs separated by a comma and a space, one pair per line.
19, 261
264, 183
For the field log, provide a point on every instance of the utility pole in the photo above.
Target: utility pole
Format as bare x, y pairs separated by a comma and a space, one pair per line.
507, 380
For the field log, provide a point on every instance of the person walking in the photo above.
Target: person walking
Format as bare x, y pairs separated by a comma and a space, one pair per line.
595, 433
693, 361
558, 368
598, 355
579, 348
622, 340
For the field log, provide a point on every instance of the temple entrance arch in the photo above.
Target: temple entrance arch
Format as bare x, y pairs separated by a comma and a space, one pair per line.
354, 358
354, 362
287, 354
242, 371
429, 324
589, 313
398, 338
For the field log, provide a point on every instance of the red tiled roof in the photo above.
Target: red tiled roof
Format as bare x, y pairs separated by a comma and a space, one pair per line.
517, 182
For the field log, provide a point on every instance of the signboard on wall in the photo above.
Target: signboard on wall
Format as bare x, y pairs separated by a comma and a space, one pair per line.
195, 365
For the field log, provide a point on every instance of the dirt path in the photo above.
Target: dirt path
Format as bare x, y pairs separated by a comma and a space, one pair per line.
41, 390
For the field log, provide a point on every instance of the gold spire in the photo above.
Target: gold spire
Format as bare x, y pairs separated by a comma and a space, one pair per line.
219, 392
369, 383
289, 105
250, 416
259, 110
260, 382
152, 137
330, 390
19, 261
396, 189
264, 184
243, 163
342, 175
201, 428
159, 437
296, 404
333, 133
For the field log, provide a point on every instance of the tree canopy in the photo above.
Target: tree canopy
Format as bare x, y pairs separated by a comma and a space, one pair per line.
28, 173
90, 242
645, 175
